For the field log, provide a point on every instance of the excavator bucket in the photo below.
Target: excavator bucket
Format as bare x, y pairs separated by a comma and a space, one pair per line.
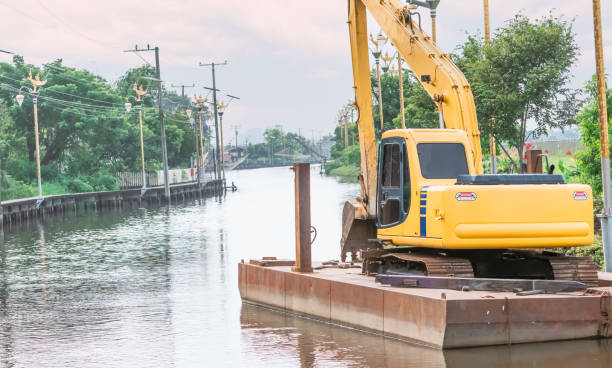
357, 229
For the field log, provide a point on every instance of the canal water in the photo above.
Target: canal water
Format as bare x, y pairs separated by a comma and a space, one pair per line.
158, 288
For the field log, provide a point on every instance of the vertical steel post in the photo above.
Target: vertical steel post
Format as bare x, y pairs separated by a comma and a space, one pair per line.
606, 212
303, 258
162, 126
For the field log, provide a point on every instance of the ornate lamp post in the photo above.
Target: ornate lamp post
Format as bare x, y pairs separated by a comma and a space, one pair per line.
200, 105
140, 92
221, 106
378, 44
197, 141
36, 84
387, 59
431, 5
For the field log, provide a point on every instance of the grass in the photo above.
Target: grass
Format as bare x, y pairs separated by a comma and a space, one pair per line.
346, 173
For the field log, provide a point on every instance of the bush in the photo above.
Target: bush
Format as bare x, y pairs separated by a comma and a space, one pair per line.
52, 187
15, 189
103, 181
594, 251
78, 185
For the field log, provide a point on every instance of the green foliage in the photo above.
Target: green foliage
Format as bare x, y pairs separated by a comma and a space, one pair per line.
78, 185
419, 109
589, 159
594, 251
12, 188
570, 171
346, 173
522, 76
86, 136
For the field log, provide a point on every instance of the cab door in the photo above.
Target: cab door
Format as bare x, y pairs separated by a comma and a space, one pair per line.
393, 197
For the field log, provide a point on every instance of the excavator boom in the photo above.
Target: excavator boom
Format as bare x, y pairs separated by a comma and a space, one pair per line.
440, 77
437, 73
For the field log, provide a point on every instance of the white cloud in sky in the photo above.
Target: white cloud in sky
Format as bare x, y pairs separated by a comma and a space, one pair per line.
288, 60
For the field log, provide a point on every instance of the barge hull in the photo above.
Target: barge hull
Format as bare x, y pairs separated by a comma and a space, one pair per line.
437, 318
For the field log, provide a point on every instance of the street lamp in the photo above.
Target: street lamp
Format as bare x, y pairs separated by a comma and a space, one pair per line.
34, 91
128, 106
431, 5
200, 105
378, 44
221, 106
193, 126
387, 61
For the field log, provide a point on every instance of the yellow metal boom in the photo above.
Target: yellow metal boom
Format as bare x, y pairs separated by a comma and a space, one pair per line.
440, 77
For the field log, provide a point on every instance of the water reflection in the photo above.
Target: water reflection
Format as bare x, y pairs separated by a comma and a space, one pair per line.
279, 339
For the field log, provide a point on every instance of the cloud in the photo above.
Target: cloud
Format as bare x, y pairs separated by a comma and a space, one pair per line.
289, 60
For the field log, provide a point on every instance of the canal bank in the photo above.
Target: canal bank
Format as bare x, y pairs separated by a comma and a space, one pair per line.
28, 209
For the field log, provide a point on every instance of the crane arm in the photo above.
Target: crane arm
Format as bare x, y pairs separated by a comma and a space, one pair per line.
440, 77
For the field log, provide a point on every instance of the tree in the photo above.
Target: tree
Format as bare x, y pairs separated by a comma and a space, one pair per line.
589, 159
521, 78
419, 108
86, 136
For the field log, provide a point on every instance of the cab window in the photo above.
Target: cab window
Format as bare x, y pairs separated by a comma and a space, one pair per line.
442, 160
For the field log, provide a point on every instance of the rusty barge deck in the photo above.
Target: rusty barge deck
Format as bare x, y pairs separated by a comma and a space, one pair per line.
435, 317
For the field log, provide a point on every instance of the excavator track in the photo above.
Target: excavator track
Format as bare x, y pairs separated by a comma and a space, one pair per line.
437, 265
518, 264
582, 269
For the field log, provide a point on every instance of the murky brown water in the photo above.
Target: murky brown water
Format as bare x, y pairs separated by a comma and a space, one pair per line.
158, 288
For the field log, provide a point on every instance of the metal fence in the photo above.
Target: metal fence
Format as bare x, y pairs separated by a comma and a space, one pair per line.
131, 180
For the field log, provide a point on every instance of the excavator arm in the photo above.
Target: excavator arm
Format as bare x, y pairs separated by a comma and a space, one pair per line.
440, 77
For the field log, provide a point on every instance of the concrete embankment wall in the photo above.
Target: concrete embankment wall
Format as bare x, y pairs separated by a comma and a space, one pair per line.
26, 209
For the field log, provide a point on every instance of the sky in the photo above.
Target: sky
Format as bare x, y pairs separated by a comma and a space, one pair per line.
287, 60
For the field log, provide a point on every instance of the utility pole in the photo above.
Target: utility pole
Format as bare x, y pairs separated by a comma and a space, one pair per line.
162, 124
487, 32
182, 88
606, 213
216, 113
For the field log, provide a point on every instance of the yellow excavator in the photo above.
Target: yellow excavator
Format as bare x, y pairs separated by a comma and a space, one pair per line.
426, 208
